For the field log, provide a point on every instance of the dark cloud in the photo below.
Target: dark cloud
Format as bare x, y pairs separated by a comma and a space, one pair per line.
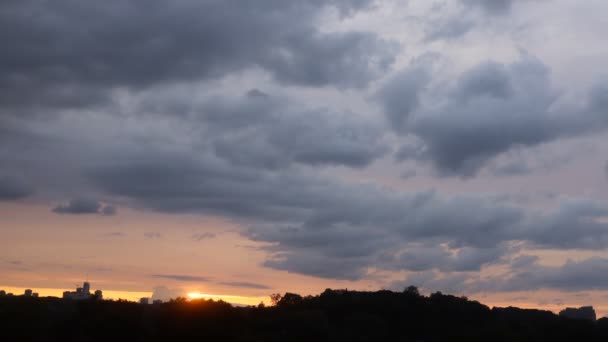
491, 109
312, 223
556, 230
246, 285
180, 277
587, 274
13, 189
423, 258
84, 206
308, 263
69, 54
400, 95
327, 228
492, 7
267, 132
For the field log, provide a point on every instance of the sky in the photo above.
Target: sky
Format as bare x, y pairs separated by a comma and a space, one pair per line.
234, 149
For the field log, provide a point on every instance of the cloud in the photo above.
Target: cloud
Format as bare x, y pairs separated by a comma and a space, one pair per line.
165, 294
108, 210
423, 258
152, 235
452, 28
338, 230
48, 62
514, 168
525, 274
173, 132
246, 285
490, 109
399, 96
83, 205
115, 234
180, 277
266, 131
203, 236
315, 223
12, 189
492, 7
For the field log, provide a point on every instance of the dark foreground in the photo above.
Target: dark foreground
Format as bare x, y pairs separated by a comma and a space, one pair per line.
331, 316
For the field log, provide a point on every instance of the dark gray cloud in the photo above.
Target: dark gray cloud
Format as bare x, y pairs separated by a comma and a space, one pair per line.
327, 228
588, 274
245, 285
423, 258
492, 7
180, 277
13, 189
266, 132
556, 231
400, 95
84, 205
491, 109
66, 54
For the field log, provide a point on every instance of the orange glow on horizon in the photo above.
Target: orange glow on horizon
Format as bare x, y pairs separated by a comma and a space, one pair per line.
233, 299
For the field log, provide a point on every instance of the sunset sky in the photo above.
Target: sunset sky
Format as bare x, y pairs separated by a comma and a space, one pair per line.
233, 149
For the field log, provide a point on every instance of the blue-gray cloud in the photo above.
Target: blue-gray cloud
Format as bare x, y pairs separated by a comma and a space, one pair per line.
12, 188
492, 108
492, 7
49, 63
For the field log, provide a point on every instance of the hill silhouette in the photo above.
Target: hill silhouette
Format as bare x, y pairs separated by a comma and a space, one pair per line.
334, 315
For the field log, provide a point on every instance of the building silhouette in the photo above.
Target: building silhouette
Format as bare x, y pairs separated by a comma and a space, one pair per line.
83, 293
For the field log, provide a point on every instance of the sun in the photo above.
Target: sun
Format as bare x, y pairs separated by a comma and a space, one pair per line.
197, 295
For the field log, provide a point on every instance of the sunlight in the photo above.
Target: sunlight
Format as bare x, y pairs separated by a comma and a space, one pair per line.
227, 298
